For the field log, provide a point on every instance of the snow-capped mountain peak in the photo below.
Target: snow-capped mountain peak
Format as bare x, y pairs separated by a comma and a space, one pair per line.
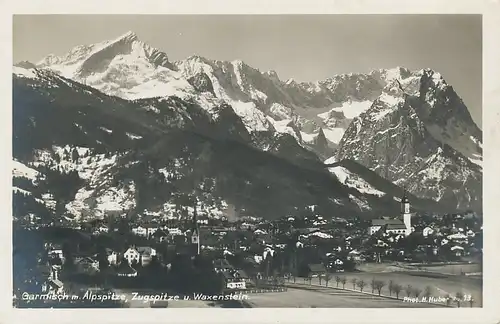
416, 119
125, 67
85, 60
393, 108
129, 36
398, 73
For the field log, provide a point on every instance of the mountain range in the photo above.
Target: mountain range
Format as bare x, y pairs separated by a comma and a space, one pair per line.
123, 129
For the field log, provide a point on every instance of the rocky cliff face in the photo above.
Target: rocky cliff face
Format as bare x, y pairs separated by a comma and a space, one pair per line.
408, 137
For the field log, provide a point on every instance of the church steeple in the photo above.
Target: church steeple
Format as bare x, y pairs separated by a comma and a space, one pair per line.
405, 203
405, 209
195, 238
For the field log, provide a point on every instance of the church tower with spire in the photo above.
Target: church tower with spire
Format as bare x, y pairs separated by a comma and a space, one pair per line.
405, 209
195, 237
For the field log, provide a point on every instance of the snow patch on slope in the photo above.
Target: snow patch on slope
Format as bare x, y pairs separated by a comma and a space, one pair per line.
334, 135
330, 160
94, 169
25, 73
390, 100
21, 170
253, 118
308, 138
117, 199
282, 126
350, 109
363, 205
133, 136
354, 181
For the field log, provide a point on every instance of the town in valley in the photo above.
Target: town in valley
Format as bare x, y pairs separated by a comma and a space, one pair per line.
153, 167
207, 256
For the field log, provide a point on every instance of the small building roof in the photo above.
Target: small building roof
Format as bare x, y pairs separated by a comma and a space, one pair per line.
85, 260
382, 222
395, 226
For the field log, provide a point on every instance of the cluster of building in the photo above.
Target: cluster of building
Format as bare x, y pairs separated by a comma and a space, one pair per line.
318, 245
453, 232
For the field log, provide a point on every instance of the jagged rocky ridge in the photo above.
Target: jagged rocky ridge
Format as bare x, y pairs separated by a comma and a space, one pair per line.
131, 69
302, 122
420, 135
79, 153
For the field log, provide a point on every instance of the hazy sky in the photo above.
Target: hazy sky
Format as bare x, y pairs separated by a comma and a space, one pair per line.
303, 47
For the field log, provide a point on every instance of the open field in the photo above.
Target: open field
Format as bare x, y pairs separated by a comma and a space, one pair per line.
452, 268
322, 297
437, 268
441, 285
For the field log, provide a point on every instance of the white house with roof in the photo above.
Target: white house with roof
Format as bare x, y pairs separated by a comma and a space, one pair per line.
247, 226
259, 232
54, 251
52, 285
471, 233
140, 254
87, 263
258, 258
427, 231
355, 255
132, 255
112, 256
103, 229
234, 280
268, 251
174, 231
144, 230
320, 235
458, 237
458, 250
140, 230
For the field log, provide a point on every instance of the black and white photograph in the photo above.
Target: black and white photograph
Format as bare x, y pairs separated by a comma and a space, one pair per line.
247, 161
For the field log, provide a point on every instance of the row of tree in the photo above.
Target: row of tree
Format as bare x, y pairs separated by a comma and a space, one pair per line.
393, 288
